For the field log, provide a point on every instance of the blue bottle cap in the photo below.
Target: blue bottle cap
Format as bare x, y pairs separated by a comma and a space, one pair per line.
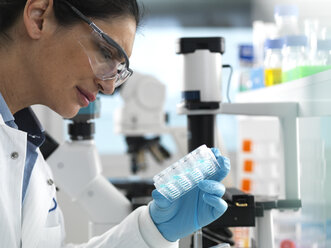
246, 52
295, 40
274, 43
286, 10
324, 45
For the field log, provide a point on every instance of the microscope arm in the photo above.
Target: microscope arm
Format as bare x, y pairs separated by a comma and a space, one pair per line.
77, 171
179, 135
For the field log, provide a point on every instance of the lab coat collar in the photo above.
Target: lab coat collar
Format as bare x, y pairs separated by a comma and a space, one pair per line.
4, 110
28, 122
1, 120
38, 199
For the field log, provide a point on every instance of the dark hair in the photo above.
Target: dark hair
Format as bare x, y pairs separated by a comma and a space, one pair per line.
11, 9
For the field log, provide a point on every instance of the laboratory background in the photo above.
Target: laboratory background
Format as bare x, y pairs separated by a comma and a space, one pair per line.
272, 84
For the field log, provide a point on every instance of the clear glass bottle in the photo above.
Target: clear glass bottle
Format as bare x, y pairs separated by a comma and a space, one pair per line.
273, 61
286, 18
322, 59
246, 61
313, 33
295, 57
323, 56
325, 32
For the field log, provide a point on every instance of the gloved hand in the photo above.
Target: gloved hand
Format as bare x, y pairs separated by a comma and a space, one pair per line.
195, 209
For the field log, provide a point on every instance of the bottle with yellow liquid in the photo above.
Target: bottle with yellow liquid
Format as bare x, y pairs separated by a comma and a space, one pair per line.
273, 62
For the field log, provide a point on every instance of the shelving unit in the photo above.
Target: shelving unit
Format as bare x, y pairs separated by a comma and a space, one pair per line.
313, 98
303, 110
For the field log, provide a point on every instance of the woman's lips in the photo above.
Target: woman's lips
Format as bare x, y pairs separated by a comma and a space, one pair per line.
85, 97
91, 97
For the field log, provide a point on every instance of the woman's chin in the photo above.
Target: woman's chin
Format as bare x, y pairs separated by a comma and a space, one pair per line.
68, 113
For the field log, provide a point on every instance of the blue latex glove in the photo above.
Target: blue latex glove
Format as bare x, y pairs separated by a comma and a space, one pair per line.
195, 209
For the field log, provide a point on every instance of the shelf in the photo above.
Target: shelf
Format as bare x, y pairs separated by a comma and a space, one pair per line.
313, 95
313, 88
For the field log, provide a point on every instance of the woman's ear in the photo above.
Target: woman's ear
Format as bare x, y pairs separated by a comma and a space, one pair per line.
34, 16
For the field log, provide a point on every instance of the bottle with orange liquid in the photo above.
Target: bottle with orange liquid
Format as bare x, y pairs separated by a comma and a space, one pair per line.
273, 62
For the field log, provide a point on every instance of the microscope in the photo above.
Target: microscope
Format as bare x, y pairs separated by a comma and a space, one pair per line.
201, 102
77, 171
142, 120
102, 198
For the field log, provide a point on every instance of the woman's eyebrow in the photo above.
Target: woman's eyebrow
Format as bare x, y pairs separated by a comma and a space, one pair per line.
115, 53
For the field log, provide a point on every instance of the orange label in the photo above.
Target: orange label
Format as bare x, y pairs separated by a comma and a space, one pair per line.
248, 165
246, 185
247, 145
287, 244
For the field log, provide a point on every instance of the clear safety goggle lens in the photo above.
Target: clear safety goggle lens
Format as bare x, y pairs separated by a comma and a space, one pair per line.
106, 61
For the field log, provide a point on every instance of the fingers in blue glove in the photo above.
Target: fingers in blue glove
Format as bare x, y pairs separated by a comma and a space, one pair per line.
212, 187
213, 196
160, 200
161, 209
224, 162
218, 204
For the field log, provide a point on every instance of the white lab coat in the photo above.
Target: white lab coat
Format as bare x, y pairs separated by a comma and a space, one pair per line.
31, 225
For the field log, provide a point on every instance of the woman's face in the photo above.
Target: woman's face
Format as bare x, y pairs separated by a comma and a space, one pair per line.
61, 70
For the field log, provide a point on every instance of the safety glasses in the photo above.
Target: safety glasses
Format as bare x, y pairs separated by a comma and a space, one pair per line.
107, 58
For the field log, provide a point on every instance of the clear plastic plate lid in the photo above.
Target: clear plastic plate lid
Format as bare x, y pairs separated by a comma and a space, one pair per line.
186, 173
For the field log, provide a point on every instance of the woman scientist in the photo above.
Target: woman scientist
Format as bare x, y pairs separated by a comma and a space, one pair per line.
51, 53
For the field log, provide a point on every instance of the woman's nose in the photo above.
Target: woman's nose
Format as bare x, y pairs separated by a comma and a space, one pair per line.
106, 86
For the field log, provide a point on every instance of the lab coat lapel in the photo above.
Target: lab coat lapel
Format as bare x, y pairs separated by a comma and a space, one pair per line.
11, 176
37, 202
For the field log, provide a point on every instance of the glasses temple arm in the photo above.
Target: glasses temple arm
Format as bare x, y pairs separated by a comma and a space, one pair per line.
99, 31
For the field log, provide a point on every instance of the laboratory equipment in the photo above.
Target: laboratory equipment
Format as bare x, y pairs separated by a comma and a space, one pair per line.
197, 208
78, 158
273, 62
286, 18
202, 63
242, 211
142, 120
308, 226
295, 58
201, 117
221, 246
323, 56
201, 89
325, 32
246, 60
200, 100
313, 33
185, 174
261, 32
296, 63
141, 115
